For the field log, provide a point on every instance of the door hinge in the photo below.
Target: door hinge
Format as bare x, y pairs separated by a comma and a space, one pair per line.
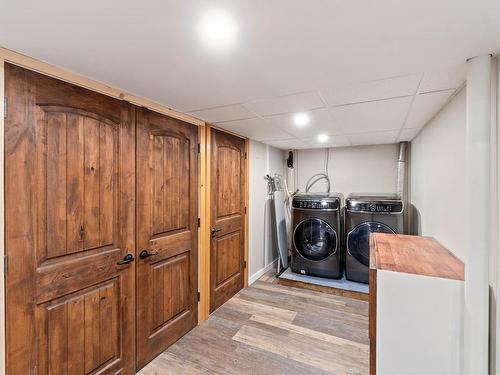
244, 264
5, 266
199, 222
245, 155
5, 107
198, 296
245, 210
199, 148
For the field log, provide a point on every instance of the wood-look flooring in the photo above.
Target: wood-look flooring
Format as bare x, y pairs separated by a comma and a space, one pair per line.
274, 329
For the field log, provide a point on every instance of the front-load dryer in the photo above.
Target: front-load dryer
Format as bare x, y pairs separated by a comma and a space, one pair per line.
366, 214
317, 234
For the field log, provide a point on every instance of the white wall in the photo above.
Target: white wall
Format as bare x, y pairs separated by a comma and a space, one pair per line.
276, 164
438, 177
438, 182
360, 169
263, 160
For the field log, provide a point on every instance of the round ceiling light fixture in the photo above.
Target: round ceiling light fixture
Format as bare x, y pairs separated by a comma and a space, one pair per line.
218, 29
301, 119
322, 138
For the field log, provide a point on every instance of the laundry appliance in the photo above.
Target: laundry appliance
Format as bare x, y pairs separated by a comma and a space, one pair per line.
366, 214
317, 234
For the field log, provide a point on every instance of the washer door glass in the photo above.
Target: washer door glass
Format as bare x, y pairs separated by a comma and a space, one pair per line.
315, 239
358, 240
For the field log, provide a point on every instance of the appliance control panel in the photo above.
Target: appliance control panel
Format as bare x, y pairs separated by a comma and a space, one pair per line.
380, 207
323, 204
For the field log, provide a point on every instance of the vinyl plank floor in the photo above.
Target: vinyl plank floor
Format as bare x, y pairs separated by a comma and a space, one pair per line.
269, 328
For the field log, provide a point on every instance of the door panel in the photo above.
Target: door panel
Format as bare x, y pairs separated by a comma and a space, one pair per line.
170, 289
171, 209
315, 239
228, 257
78, 156
227, 217
167, 199
358, 240
82, 330
70, 205
229, 194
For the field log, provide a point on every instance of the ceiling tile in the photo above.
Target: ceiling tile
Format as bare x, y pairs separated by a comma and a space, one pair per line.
379, 115
255, 128
450, 78
283, 46
372, 90
374, 138
408, 134
289, 144
285, 104
425, 106
226, 113
333, 141
320, 121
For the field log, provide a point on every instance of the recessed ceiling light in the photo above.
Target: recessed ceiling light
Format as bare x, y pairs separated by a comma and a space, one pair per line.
322, 138
218, 29
301, 119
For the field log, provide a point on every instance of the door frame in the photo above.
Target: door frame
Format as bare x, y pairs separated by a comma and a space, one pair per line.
12, 57
9, 56
3, 343
205, 208
15, 58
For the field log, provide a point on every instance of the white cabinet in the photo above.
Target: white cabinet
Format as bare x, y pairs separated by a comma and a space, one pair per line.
416, 307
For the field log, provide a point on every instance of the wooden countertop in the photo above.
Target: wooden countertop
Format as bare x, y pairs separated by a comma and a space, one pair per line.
415, 255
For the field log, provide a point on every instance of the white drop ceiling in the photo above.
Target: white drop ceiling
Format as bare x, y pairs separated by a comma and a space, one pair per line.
362, 113
366, 72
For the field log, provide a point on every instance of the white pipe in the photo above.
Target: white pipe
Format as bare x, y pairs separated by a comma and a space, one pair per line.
495, 330
477, 232
319, 176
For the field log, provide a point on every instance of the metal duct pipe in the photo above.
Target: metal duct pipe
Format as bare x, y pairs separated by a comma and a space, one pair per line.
400, 187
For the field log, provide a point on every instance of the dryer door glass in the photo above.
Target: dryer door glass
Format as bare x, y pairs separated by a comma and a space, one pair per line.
358, 240
315, 239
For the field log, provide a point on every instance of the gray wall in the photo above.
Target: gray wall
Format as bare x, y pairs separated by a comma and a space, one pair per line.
263, 160
438, 177
359, 169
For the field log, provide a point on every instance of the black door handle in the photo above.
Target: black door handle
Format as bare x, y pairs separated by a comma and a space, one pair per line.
146, 254
214, 230
129, 258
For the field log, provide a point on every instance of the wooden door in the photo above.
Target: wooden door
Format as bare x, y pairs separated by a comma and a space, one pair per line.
70, 205
227, 216
167, 225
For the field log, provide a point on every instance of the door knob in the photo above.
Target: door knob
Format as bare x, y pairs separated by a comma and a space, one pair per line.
214, 230
129, 258
146, 254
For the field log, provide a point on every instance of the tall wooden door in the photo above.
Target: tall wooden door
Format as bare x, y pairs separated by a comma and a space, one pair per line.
167, 225
69, 201
227, 216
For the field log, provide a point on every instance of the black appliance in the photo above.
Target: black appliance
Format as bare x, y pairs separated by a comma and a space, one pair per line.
366, 214
317, 234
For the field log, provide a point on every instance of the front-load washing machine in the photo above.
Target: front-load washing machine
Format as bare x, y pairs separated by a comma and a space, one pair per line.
317, 234
365, 214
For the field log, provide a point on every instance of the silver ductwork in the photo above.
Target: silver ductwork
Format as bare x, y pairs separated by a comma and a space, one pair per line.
400, 187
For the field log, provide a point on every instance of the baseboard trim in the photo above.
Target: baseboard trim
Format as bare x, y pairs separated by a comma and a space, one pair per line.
262, 271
